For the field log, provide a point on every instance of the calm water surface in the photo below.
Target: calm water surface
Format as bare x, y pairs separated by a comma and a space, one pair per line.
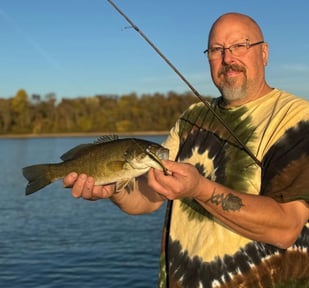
49, 239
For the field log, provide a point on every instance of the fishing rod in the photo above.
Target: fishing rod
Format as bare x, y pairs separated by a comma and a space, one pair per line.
195, 92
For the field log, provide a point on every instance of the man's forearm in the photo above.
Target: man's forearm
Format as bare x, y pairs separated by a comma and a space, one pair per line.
256, 217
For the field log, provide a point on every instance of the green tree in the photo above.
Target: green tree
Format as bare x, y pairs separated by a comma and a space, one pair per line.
21, 112
100, 113
5, 115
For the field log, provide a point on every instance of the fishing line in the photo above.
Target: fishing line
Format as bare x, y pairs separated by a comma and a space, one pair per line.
188, 84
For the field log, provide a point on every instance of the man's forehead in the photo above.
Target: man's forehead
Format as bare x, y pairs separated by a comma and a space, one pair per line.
233, 28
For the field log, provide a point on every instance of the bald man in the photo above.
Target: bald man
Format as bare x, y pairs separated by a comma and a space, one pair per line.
237, 208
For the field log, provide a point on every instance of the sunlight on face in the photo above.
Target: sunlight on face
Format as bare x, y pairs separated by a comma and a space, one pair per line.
239, 78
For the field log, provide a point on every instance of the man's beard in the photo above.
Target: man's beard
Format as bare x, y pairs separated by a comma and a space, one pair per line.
227, 87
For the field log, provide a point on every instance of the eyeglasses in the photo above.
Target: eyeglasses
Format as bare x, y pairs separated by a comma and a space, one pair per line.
238, 49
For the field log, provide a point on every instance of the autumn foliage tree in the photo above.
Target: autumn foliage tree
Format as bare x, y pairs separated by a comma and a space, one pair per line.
101, 113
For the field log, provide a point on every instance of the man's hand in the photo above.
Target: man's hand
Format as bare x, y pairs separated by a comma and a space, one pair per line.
83, 187
182, 181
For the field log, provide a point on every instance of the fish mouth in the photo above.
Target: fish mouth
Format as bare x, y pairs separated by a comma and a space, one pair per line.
158, 152
161, 154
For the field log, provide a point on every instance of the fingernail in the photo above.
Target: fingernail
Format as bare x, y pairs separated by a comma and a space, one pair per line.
74, 175
83, 176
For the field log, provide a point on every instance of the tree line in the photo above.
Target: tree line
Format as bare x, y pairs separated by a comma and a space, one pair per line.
23, 114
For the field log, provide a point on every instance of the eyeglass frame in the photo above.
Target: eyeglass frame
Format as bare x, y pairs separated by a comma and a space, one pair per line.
247, 43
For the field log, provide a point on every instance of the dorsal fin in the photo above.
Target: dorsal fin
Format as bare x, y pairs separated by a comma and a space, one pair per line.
106, 138
82, 148
75, 152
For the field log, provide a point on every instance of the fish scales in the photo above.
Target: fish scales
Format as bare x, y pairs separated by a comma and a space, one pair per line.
108, 160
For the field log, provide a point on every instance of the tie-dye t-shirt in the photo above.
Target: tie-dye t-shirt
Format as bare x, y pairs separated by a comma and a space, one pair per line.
198, 250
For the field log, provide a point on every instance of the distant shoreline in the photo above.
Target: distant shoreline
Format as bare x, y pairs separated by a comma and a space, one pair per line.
91, 134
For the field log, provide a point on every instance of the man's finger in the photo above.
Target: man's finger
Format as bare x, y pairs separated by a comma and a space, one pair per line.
69, 180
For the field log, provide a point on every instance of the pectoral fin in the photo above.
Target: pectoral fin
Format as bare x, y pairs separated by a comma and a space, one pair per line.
128, 184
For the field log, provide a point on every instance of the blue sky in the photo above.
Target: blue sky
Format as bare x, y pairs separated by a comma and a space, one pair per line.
82, 48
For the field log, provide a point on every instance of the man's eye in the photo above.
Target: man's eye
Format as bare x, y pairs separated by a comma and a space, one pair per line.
238, 46
216, 50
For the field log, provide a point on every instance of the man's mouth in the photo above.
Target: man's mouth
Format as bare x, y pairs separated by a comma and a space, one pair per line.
231, 70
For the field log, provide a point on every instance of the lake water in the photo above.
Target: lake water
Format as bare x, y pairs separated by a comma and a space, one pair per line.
51, 240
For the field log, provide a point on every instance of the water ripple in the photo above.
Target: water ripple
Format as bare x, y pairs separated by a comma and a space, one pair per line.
51, 240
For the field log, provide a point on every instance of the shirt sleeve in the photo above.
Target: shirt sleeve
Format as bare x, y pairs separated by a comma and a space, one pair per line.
285, 167
172, 142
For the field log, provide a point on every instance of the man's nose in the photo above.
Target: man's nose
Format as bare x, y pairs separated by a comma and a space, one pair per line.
227, 55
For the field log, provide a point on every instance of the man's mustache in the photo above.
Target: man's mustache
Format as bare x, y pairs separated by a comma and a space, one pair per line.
231, 67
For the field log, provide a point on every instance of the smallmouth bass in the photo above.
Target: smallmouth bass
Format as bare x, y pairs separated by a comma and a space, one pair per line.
109, 160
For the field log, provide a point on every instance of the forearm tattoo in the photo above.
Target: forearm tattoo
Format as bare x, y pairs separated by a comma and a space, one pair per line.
228, 202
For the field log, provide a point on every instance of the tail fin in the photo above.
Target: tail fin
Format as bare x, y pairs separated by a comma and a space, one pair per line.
37, 175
